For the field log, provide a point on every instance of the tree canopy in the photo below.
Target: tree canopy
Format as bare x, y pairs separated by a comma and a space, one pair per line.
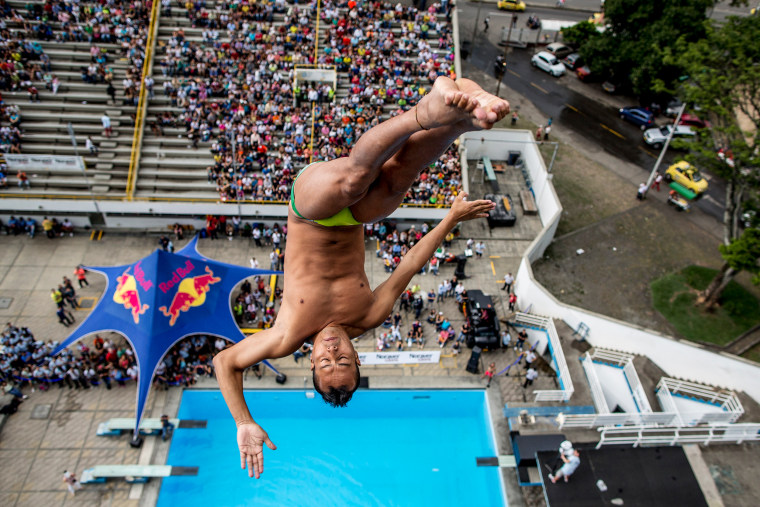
638, 33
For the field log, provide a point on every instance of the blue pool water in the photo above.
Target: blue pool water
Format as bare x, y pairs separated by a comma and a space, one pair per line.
387, 448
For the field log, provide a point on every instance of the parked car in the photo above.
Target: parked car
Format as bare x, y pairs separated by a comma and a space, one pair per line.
693, 121
638, 116
688, 176
656, 137
548, 63
572, 61
583, 73
511, 5
558, 49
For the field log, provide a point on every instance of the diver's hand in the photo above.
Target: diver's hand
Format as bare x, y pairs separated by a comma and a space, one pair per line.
463, 210
250, 439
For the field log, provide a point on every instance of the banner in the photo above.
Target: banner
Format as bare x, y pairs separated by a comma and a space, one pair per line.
30, 163
399, 357
311, 74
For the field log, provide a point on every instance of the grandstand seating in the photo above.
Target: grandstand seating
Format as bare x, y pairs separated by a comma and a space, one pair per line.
169, 167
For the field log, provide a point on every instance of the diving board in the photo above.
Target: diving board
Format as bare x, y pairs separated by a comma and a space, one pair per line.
133, 473
116, 426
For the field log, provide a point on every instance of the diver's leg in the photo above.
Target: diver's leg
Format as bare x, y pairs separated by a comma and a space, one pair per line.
328, 187
421, 149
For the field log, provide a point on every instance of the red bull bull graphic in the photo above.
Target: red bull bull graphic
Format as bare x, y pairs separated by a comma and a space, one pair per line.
126, 294
190, 292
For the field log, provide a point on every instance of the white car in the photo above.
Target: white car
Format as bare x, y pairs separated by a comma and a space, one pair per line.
548, 62
657, 136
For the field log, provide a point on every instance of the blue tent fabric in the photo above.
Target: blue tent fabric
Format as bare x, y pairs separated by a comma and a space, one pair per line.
161, 299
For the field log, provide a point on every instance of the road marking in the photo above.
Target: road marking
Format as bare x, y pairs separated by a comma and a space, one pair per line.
605, 127
536, 86
712, 200
648, 152
706, 176
513, 73
493, 269
573, 108
494, 256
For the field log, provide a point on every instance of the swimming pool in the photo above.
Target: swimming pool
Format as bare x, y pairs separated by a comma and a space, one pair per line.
387, 448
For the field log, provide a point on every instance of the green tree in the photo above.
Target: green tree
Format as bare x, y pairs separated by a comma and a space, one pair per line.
579, 34
637, 35
724, 83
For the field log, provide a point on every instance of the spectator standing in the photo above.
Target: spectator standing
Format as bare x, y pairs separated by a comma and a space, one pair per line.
508, 281
91, 146
490, 372
640, 195
512, 302
71, 482
530, 376
105, 120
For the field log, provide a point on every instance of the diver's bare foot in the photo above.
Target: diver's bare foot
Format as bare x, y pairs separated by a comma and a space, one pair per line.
494, 107
447, 104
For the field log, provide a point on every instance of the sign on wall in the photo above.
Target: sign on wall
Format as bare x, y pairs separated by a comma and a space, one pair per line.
399, 357
43, 162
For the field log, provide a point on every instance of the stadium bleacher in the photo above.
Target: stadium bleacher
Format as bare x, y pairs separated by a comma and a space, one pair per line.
376, 79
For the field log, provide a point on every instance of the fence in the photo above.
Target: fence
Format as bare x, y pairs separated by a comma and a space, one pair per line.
647, 435
731, 407
618, 419
600, 402
555, 347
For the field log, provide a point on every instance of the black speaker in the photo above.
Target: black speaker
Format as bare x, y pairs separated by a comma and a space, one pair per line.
473, 363
136, 442
461, 263
281, 378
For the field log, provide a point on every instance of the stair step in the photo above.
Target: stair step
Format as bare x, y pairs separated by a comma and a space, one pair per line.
100, 189
103, 166
102, 177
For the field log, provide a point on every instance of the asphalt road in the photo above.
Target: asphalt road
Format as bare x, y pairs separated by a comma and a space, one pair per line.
565, 102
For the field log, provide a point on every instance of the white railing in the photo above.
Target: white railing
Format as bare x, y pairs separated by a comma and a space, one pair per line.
647, 435
564, 394
637, 390
630, 418
729, 403
667, 404
596, 387
611, 356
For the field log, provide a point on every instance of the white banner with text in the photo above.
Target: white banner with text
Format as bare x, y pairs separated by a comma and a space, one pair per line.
43, 162
399, 357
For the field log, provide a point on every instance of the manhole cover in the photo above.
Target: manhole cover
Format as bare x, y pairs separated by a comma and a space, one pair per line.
5, 303
86, 302
41, 411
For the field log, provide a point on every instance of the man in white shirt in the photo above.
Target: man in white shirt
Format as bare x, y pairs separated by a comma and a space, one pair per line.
508, 281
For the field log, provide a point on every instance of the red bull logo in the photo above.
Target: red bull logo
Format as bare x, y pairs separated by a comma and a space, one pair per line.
190, 292
126, 294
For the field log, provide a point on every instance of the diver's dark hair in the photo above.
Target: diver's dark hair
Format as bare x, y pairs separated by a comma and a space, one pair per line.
336, 397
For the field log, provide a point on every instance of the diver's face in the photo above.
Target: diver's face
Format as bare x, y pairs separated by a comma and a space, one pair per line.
334, 359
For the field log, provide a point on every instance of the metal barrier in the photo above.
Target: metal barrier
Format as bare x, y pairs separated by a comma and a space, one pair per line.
625, 418
547, 324
142, 107
731, 407
596, 387
647, 435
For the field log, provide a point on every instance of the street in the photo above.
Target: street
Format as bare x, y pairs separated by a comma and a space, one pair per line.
572, 104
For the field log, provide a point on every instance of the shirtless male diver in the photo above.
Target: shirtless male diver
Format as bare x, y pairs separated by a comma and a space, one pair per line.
327, 296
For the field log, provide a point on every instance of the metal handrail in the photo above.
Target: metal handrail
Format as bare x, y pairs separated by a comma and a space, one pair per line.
142, 105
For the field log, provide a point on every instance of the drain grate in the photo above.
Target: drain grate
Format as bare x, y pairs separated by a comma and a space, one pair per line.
41, 411
5, 303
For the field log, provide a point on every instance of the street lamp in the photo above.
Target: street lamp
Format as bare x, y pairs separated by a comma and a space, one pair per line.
80, 161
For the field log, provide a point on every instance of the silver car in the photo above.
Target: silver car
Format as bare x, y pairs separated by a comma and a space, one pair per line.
548, 63
656, 137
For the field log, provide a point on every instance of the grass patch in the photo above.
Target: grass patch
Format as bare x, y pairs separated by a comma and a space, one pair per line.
674, 295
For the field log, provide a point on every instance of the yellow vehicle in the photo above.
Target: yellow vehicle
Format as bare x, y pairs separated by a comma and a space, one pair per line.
511, 5
688, 176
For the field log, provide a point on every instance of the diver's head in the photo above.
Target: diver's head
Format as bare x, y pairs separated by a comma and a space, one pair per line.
335, 366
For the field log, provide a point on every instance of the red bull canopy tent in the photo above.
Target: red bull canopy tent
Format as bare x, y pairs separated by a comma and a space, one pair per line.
161, 299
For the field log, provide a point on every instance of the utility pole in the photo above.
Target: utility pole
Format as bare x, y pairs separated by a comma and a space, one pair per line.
653, 174
475, 26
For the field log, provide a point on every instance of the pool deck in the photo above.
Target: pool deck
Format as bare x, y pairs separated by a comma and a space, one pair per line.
55, 430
